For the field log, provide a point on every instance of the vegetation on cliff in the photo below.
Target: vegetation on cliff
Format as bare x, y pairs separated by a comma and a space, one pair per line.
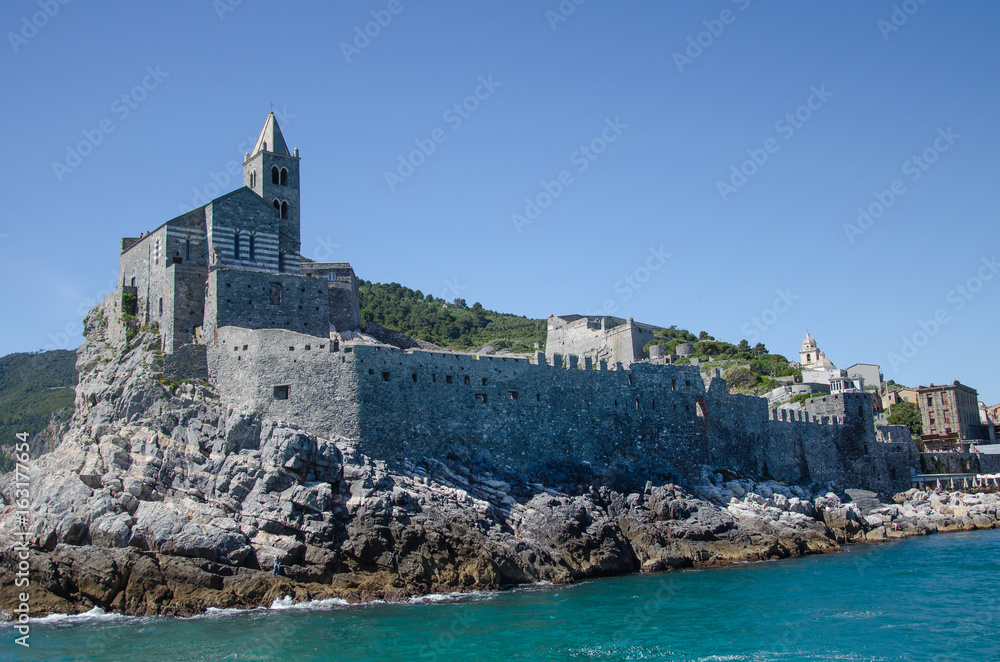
32, 387
451, 324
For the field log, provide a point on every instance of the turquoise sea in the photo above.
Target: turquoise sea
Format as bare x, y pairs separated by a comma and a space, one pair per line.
934, 598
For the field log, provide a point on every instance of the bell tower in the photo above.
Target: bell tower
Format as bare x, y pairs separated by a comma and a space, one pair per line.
272, 172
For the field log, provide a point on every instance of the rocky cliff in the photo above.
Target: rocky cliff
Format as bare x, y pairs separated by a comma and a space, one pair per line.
163, 499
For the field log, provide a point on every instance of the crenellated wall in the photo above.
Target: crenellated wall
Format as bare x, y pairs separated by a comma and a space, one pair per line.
530, 419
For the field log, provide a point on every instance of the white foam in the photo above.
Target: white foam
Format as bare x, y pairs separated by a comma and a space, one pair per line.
95, 614
309, 605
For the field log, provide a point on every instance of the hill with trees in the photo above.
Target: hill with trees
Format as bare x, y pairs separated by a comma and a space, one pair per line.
452, 324
33, 386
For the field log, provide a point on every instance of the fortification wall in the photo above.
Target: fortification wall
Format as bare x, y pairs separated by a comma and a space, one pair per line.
183, 304
534, 421
295, 377
187, 362
255, 300
531, 419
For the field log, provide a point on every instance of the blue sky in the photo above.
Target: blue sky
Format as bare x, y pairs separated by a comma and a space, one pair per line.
692, 164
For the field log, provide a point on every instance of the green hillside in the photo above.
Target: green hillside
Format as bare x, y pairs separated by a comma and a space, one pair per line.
451, 324
32, 387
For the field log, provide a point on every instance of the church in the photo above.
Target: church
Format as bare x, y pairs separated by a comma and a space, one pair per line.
237, 261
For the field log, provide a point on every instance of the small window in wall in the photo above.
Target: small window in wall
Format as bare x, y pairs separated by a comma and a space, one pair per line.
156, 254
275, 294
236, 245
161, 305
637, 403
253, 178
284, 209
281, 392
481, 397
448, 379
512, 395
687, 384
538, 397
434, 377
484, 381
281, 261
252, 245
861, 410
274, 175
284, 177
467, 380
187, 250
630, 382
673, 384
414, 376
385, 376
371, 371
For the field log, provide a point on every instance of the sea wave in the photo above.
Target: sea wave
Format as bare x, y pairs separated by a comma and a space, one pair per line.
94, 615
326, 604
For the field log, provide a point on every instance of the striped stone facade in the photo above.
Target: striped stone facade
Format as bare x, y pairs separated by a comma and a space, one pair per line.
183, 272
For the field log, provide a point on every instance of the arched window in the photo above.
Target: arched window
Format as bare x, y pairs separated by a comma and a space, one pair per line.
274, 174
281, 261
253, 246
284, 176
284, 209
277, 206
236, 245
253, 178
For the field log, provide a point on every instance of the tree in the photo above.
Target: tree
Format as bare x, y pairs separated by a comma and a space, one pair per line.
703, 335
459, 302
908, 414
759, 349
744, 346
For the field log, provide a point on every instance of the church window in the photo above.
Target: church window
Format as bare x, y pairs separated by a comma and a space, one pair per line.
253, 246
284, 177
253, 178
277, 206
236, 245
187, 250
809, 357
161, 305
281, 260
274, 174
284, 209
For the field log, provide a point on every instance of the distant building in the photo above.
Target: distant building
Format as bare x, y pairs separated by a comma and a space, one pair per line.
841, 382
600, 338
950, 417
812, 358
902, 395
989, 422
870, 372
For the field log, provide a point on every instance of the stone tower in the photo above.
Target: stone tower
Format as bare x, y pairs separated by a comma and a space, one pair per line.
272, 172
811, 357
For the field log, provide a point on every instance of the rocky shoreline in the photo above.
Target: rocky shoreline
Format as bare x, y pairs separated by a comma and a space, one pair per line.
163, 500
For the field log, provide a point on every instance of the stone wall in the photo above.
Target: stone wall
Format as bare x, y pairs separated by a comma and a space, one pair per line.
254, 300
187, 362
529, 419
245, 212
